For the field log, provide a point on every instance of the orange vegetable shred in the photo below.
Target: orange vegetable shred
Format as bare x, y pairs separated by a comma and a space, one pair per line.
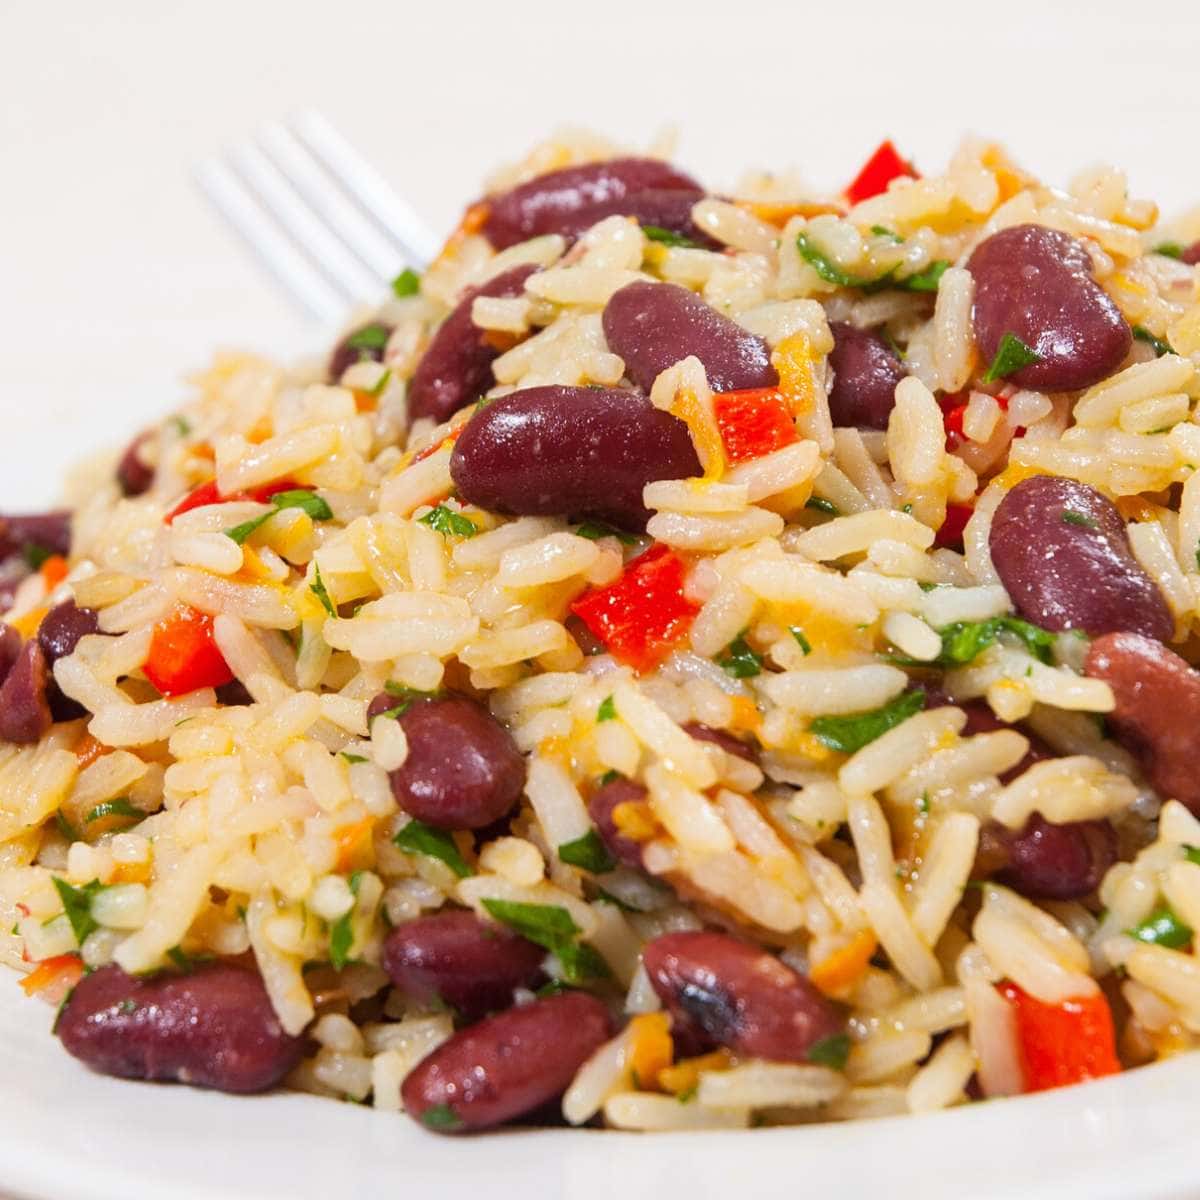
53, 978
754, 422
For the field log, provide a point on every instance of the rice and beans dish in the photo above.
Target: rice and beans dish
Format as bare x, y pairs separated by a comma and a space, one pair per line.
689, 660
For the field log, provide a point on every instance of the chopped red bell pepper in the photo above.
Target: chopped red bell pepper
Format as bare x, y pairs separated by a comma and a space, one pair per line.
644, 614
754, 422
183, 654
209, 493
953, 420
879, 170
1065, 1043
950, 535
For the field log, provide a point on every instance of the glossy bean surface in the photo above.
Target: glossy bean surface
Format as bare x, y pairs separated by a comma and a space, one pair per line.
457, 959
463, 769
1048, 861
659, 208
550, 203
865, 374
134, 473
652, 326
214, 1028
25, 715
1037, 284
1157, 710
58, 635
457, 366
739, 996
602, 804
507, 1066
570, 452
721, 737
1062, 552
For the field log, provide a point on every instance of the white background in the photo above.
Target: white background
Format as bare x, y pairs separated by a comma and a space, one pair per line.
114, 279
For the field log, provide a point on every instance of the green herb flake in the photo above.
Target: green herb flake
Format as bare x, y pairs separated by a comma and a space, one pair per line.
688, 1094
923, 281
65, 827
589, 853
77, 905
300, 498
442, 1118
1163, 928
380, 384
595, 530
926, 280
884, 232
964, 641
186, 962
1192, 854
923, 803
607, 710
406, 696
609, 777
740, 660
353, 759
821, 505
603, 897
407, 283
851, 733
555, 987
1169, 249
114, 808
341, 941
1159, 345
668, 237
831, 1051
1071, 517
35, 556
369, 337
801, 640
449, 523
418, 838
318, 589
551, 927
1011, 355
181, 425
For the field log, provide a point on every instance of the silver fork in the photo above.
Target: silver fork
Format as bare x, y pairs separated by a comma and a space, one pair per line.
316, 214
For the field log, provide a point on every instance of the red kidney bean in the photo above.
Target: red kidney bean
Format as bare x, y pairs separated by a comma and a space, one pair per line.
1191, 254
866, 371
551, 202
10, 650
507, 1066
1037, 284
601, 804
981, 719
657, 207
25, 715
58, 635
1157, 710
456, 368
1045, 861
654, 325
134, 474
724, 739
42, 532
234, 694
1062, 552
570, 452
457, 959
463, 769
738, 995
346, 353
214, 1028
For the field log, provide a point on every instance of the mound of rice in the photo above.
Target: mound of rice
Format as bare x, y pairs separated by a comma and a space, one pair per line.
238, 829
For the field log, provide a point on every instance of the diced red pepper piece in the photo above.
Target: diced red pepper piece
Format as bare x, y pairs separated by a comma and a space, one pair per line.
754, 422
183, 654
644, 614
953, 420
208, 493
950, 535
1066, 1043
879, 170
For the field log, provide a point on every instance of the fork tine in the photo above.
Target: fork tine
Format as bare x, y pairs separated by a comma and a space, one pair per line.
337, 211
291, 270
327, 253
366, 185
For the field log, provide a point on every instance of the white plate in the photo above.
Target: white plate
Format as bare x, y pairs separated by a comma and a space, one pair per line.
66, 1134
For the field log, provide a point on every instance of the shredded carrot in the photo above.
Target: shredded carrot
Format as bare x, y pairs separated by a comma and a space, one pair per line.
796, 364
28, 624
53, 978
131, 873
650, 1048
745, 714
88, 749
836, 974
706, 436
685, 1075
1134, 508
635, 820
1015, 473
354, 848
54, 571
780, 214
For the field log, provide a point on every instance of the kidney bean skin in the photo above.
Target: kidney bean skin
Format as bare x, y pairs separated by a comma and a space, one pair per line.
651, 326
49, 531
601, 804
660, 207
214, 1028
865, 374
25, 715
1045, 861
738, 995
1037, 284
58, 635
345, 355
463, 769
457, 366
134, 474
10, 650
570, 452
1191, 254
1062, 552
1157, 712
454, 957
550, 203
508, 1065
724, 739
